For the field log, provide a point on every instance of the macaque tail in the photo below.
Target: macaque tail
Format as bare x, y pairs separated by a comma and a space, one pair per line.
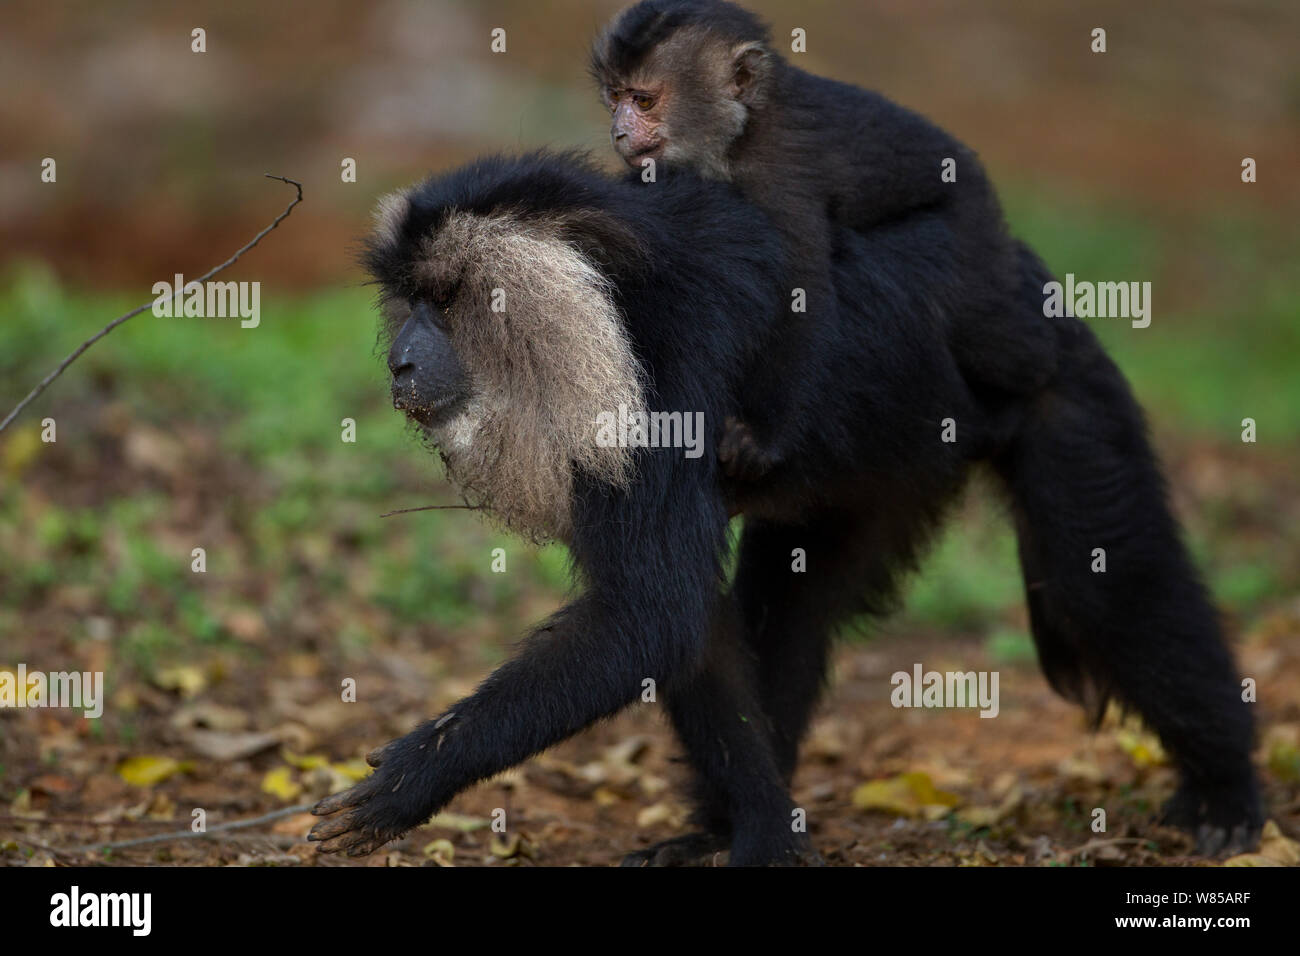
1116, 606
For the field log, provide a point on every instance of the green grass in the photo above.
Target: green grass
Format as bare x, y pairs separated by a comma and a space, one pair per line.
1224, 337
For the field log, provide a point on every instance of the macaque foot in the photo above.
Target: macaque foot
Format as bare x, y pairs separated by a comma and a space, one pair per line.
743, 457
397, 797
711, 849
1224, 820
690, 849
780, 849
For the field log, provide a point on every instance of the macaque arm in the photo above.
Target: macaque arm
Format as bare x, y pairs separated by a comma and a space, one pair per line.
644, 615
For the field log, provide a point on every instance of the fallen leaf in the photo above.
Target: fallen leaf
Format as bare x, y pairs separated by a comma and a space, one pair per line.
145, 771
441, 852
514, 845
186, 678
1142, 747
1274, 845
210, 715
988, 816
53, 783
907, 794
222, 745
353, 770
305, 761
662, 812
280, 783
1251, 859
460, 822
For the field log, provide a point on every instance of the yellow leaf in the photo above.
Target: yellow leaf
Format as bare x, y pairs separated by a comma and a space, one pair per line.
353, 770
511, 846
186, 678
304, 761
441, 852
1251, 859
908, 794
1142, 747
279, 782
147, 771
1275, 846
459, 821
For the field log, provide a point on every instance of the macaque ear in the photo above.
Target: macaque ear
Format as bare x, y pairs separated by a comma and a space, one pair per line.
749, 64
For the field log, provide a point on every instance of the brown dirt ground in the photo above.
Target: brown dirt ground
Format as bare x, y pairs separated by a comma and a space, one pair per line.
1024, 783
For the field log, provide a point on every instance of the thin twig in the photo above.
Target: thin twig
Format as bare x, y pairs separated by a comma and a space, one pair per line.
193, 834
406, 511
45, 382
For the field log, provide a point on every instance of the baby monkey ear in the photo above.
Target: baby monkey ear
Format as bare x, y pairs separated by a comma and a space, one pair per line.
749, 67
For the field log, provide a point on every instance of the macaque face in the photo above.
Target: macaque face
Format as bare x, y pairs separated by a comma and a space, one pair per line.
638, 129
429, 382
685, 102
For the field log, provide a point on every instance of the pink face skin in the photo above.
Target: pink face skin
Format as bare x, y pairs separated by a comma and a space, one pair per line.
636, 128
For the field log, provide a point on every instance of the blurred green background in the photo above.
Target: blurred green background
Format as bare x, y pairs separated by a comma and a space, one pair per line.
183, 433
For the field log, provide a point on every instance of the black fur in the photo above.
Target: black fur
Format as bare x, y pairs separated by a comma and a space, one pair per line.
740, 669
648, 24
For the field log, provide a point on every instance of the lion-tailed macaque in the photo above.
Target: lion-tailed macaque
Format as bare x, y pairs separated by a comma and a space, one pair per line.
531, 302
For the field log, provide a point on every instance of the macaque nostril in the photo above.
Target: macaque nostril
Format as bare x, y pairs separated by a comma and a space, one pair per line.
620, 135
399, 358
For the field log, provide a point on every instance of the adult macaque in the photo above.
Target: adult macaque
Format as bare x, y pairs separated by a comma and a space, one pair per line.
666, 300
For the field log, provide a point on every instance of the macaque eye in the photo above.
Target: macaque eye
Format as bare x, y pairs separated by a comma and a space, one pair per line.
441, 302
643, 101
446, 298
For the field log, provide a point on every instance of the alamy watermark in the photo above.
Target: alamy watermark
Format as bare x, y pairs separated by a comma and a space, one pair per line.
1101, 300
213, 300
624, 429
133, 911
923, 688
71, 689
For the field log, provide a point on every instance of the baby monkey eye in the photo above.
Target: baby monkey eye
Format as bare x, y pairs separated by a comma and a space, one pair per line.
643, 101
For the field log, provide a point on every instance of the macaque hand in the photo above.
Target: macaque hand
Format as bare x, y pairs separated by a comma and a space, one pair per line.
396, 798
742, 456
